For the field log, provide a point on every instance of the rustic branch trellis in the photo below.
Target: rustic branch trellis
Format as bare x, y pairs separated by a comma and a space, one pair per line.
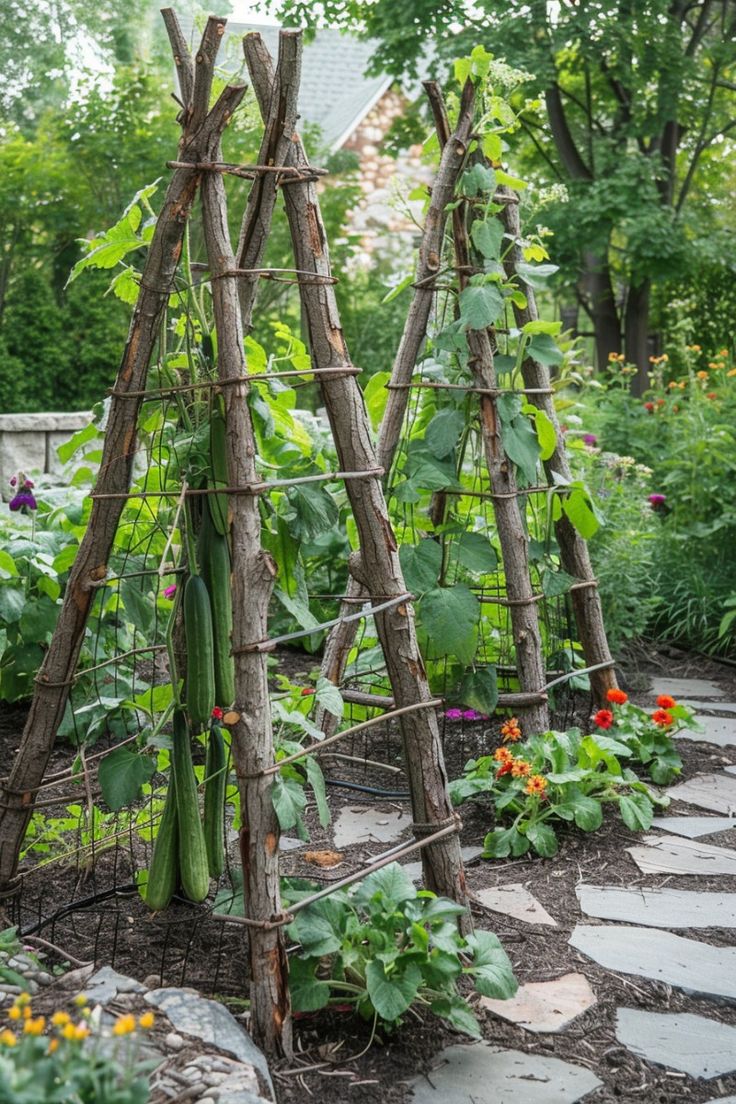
375, 570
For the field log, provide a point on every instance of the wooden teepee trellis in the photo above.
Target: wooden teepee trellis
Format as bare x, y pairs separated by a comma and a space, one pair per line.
282, 163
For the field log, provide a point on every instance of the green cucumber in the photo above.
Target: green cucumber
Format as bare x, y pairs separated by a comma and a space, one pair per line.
215, 783
192, 850
163, 873
219, 471
214, 564
200, 685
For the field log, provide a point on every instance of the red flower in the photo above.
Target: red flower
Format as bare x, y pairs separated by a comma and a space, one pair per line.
664, 701
307, 691
505, 768
618, 697
217, 713
662, 718
649, 406
603, 718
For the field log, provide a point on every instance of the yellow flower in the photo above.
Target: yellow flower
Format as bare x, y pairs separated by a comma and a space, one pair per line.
27, 1012
22, 999
59, 1019
69, 1031
731, 372
80, 1000
125, 1025
34, 1027
81, 1031
146, 1020
14, 1013
53, 1045
703, 375
8, 1037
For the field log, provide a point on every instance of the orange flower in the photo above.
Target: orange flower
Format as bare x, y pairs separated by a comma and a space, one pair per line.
536, 786
712, 395
503, 755
53, 1045
520, 769
125, 1025
664, 701
662, 718
34, 1027
731, 372
702, 374
618, 697
603, 718
511, 730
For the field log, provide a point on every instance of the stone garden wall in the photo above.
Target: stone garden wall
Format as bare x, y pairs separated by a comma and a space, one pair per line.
28, 443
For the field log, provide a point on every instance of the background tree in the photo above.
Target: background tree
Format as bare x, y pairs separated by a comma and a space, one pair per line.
639, 98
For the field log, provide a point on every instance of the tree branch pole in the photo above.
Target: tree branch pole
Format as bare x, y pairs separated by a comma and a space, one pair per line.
377, 564
90, 566
429, 262
506, 503
253, 569
574, 554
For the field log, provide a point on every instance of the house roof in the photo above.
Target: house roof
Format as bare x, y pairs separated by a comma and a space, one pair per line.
335, 93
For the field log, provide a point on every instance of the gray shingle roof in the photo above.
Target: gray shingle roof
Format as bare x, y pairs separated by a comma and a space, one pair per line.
335, 93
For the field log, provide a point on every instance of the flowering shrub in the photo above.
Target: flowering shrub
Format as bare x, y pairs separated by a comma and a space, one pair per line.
554, 777
69, 1059
649, 736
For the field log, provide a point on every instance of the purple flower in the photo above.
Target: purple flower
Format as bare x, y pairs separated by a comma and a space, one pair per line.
170, 591
454, 714
24, 500
657, 500
14, 481
590, 439
471, 715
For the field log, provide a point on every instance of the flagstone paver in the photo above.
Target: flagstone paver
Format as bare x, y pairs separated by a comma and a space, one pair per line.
722, 1100
659, 908
716, 792
651, 953
711, 706
366, 824
413, 870
716, 730
695, 826
480, 1074
680, 1041
680, 688
675, 855
545, 1005
515, 900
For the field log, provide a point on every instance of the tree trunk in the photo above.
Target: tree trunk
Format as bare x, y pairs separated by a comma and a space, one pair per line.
600, 302
90, 566
636, 327
377, 564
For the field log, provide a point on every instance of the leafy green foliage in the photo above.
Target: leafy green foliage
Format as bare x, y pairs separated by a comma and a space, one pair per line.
385, 947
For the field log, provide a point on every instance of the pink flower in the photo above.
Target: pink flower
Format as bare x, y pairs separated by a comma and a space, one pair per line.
471, 715
170, 591
590, 439
454, 714
656, 501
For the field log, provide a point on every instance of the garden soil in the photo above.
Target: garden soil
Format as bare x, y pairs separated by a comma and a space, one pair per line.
333, 1061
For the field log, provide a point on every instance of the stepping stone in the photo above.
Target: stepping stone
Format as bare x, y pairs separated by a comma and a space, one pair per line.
650, 953
681, 1041
413, 870
659, 908
673, 855
692, 827
716, 792
730, 770
722, 1100
717, 730
481, 1074
515, 900
711, 706
368, 825
545, 1005
679, 688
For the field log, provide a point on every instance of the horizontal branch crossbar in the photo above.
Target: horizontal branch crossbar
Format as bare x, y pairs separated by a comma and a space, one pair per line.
232, 381
249, 488
250, 172
274, 641
493, 391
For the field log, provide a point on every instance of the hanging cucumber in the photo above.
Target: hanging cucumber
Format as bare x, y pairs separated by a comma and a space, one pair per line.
163, 873
192, 849
219, 468
214, 563
214, 801
200, 685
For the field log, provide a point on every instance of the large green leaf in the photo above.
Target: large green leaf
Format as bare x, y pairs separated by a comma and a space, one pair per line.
522, 447
476, 180
545, 350
588, 813
546, 435
479, 690
7, 565
375, 395
421, 564
318, 928
443, 432
393, 884
578, 509
308, 992
491, 969
487, 236
448, 617
314, 510
480, 306
555, 583
121, 775
289, 802
542, 839
475, 552
637, 812
329, 697
38, 620
12, 603
457, 1012
391, 994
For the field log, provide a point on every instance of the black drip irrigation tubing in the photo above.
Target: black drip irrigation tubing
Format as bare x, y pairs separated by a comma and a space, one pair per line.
368, 789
